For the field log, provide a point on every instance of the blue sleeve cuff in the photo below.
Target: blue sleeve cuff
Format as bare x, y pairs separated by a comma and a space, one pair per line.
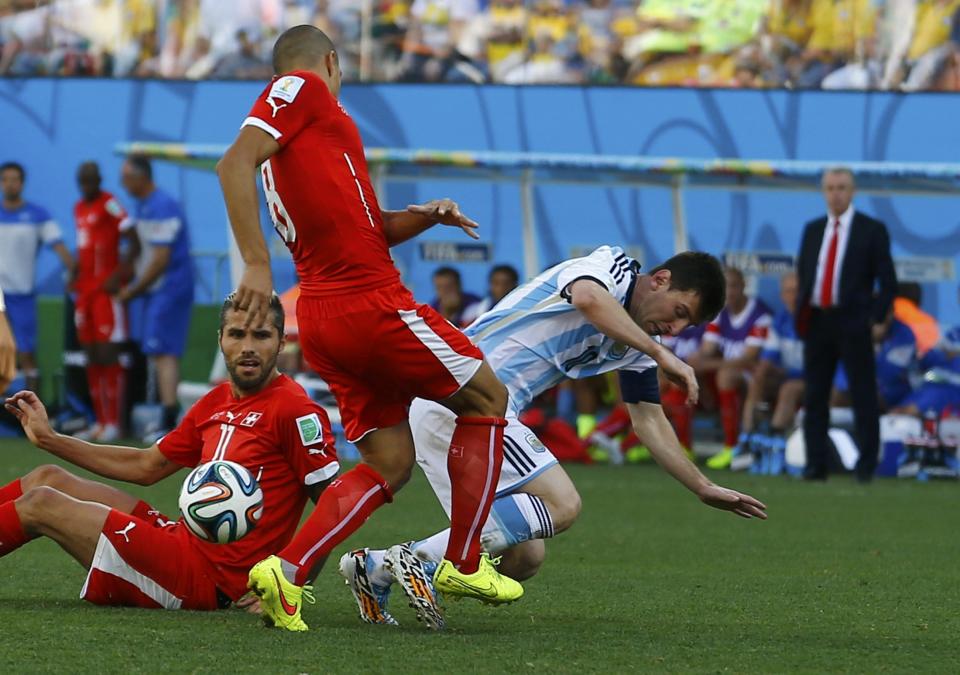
642, 387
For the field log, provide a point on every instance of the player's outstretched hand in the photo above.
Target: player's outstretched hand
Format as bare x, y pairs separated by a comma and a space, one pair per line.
250, 603
680, 374
446, 212
254, 293
28, 408
731, 500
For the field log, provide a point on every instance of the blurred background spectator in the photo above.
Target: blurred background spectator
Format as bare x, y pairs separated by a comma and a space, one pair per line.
877, 44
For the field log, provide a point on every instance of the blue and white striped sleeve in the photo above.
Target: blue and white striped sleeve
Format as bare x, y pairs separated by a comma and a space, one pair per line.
607, 266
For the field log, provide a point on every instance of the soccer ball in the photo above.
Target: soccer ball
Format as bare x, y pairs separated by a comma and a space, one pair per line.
221, 501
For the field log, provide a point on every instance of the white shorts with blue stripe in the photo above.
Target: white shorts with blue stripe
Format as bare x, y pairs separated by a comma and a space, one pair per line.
524, 456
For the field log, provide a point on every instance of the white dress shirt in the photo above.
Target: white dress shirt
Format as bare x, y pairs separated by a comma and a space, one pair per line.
846, 220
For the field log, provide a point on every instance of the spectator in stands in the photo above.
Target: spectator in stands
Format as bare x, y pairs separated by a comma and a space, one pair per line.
896, 355
8, 349
667, 33
24, 226
164, 280
778, 378
843, 257
783, 36
501, 280
245, 63
451, 301
730, 351
551, 44
25, 36
906, 308
504, 32
431, 44
842, 31
929, 45
218, 28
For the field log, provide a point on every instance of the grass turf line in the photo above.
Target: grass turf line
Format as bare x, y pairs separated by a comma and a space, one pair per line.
841, 578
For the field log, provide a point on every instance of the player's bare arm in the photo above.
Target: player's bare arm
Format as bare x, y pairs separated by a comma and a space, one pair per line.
133, 465
236, 171
655, 431
67, 260
609, 317
401, 226
157, 265
8, 351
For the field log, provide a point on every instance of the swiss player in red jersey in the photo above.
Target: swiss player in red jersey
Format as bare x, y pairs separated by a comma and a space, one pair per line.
100, 317
260, 419
360, 329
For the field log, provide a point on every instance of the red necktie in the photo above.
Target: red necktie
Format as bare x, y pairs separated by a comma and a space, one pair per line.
826, 291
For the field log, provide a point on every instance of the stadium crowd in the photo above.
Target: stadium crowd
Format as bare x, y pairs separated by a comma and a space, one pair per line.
832, 44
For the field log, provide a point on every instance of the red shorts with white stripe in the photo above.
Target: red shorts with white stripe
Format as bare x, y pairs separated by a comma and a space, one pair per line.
99, 318
381, 349
141, 564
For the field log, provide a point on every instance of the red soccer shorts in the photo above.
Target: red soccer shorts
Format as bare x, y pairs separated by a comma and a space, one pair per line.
99, 318
138, 564
381, 349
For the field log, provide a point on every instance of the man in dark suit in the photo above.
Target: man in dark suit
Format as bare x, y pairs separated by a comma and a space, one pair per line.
847, 285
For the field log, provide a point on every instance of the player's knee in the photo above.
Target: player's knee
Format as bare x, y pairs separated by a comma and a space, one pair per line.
524, 560
564, 510
49, 475
35, 503
729, 378
395, 470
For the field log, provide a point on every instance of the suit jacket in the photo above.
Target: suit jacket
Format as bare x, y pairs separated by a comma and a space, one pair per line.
867, 264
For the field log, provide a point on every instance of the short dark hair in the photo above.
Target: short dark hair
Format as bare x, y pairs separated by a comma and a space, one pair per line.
505, 269
14, 166
277, 315
910, 290
299, 46
142, 164
701, 273
448, 272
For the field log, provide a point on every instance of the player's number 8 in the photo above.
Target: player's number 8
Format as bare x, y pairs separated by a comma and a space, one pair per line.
282, 222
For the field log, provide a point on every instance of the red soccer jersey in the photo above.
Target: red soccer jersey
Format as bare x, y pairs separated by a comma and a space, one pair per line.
283, 438
98, 240
318, 191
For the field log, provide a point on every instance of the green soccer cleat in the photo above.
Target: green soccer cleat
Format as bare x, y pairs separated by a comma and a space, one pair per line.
722, 459
280, 600
486, 584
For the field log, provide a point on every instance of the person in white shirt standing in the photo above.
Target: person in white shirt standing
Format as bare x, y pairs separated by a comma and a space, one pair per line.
843, 256
24, 226
8, 349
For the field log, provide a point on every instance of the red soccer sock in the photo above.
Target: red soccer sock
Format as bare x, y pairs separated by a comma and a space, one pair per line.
679, 414
616, 422
729, 415
341, 510
12, 535
95, 381
112, 383
11, 491
473, 462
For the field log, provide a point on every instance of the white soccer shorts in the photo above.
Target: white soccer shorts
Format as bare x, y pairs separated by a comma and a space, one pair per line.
524, 456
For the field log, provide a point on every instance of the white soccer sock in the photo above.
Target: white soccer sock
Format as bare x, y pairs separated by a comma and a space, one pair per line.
513, 519
379, 574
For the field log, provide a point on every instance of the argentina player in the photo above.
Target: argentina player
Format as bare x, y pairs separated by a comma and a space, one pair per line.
580, 318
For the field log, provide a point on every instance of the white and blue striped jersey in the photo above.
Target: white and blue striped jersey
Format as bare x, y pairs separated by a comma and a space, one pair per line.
22, 231
534, 338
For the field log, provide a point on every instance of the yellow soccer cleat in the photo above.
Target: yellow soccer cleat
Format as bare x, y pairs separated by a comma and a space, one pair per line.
486, 584
722, 459
280, 600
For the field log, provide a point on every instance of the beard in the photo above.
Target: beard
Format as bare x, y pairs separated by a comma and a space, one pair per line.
253, 383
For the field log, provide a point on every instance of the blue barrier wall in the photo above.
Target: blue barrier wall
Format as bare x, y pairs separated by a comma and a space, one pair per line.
51, 125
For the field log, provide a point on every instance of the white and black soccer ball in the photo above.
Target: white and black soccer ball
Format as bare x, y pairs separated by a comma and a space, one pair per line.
221, 501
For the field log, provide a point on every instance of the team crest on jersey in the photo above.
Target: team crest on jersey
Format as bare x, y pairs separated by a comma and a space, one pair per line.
113, 208
535, 443
618, 351
251, 419
311, 431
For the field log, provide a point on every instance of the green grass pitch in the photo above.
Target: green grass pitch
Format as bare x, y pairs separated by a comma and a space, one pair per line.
842, 578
